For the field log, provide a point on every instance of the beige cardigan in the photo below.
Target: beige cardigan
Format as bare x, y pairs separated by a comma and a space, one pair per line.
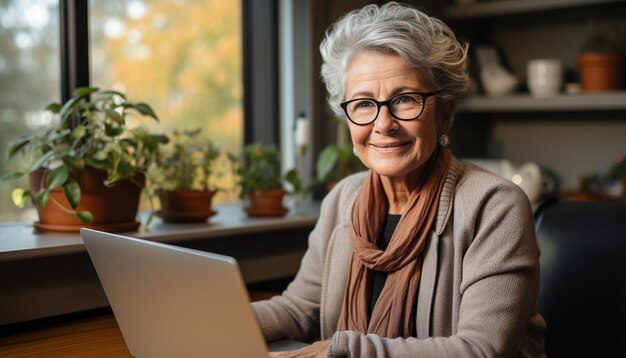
479, 285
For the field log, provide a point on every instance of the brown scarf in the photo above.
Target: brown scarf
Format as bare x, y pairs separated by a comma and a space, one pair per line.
393, 314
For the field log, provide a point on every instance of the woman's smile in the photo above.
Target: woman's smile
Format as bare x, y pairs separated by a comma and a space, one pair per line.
391, 147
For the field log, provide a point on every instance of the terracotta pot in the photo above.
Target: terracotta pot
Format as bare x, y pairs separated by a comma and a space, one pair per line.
114, 208
186, 206
601, 71
266, 203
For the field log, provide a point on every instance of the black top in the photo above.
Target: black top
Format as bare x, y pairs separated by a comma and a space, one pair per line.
379, 277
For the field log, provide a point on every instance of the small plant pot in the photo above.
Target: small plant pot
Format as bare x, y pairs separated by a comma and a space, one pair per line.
186, 206
601, 71
114, 208
266, 203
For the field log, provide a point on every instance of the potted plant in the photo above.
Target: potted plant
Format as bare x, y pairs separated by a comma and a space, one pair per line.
617, 172
610, 185
260, 180
88, 169
602, 59
297, 191
336, 162
184, 175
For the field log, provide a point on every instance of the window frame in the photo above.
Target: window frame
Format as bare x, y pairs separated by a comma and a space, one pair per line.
74, 37
260, 63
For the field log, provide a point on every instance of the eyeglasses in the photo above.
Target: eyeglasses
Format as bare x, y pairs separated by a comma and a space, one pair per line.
405, 106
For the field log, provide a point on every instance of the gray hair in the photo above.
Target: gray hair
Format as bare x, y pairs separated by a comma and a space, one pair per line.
420, 40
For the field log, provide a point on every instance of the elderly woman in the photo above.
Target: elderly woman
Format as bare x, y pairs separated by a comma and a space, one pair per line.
422, 255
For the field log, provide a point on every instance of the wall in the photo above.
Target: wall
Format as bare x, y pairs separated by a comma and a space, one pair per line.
568, 144
60, 284
568, 149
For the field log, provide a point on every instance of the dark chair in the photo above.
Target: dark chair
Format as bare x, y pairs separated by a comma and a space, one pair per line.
583, 277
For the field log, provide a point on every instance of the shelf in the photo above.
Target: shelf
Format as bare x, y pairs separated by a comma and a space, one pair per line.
526, 103
21, 242
481, 9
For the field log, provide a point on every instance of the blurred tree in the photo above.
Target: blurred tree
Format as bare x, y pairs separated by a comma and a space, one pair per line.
182, 57
29, 79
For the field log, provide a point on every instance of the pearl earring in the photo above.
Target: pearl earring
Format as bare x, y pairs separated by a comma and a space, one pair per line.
354, 151
444, 140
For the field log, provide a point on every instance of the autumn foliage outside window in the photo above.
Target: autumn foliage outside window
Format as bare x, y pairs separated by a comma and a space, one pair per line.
183, 57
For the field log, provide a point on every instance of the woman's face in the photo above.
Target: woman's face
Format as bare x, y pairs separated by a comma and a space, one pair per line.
389, 146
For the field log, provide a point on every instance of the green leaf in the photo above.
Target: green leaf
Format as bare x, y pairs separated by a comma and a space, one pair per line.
40, 162
145, 109
60, 134
326, 162
115, 116
79, 95
66, 151
96, 164
83, 91
16, 147
161, 138
73, 162
79, 131
114, 131
85, 217
10, 177
20, 196
124, 169
71, 189
57, 177
113, 92
101, 155
42, 197
67, 108
293, 179
53, 107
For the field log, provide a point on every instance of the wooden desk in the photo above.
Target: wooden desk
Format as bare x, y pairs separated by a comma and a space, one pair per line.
95, 336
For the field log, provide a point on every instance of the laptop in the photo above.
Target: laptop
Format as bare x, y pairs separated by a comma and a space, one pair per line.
171, 301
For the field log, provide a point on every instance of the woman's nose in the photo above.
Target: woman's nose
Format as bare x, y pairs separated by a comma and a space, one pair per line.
385, 123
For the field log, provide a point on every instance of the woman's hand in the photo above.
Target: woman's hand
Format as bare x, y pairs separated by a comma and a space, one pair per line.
315, 350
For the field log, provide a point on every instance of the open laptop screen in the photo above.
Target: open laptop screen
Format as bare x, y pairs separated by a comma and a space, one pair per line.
175, 302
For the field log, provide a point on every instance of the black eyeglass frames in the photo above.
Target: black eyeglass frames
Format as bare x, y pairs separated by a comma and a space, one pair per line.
406, 106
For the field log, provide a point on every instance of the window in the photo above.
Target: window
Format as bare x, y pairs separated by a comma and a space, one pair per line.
183, 57
29, 80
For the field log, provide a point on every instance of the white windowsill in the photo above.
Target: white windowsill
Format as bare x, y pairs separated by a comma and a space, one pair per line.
20, 241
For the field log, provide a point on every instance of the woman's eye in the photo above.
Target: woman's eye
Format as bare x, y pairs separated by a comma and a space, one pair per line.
405, 100
364, 104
